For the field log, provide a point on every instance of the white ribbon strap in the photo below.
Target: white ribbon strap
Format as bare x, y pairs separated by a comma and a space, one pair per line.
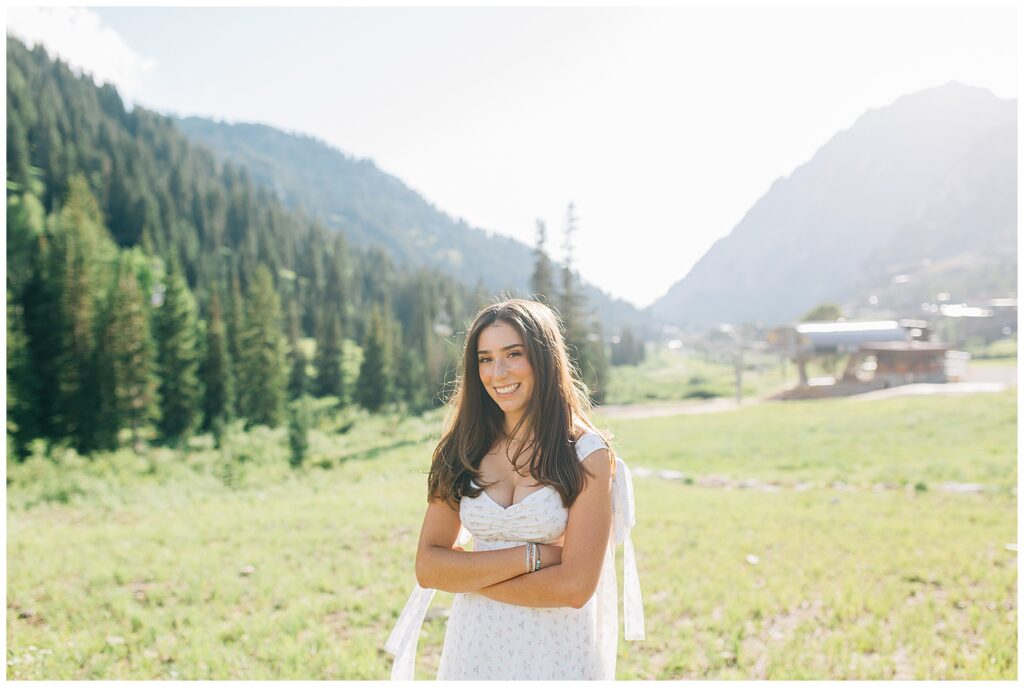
623, 509
406, 635
632, 602
464, 536
624, 518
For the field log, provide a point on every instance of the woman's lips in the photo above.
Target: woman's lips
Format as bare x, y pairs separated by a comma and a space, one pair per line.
507, 390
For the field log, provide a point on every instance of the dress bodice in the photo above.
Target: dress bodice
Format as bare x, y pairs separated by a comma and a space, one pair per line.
540, 517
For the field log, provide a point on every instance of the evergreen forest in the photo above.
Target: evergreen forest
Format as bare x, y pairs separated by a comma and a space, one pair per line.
154, 292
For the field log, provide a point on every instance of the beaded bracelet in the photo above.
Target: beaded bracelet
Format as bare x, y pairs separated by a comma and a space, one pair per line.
532, 557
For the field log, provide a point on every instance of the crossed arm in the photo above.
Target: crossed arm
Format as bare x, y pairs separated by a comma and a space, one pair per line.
569, 575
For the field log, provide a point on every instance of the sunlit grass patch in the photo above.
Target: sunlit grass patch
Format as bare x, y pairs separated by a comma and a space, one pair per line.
963, 438
158, 567
677, 376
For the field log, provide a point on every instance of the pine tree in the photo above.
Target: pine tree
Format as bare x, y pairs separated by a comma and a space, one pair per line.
411, 385
329, 380
235, 328
262, 384
18, 373
18, 151
337, 291
217, 376
33, 341
298, 432
26, 223
584, 341
178, 357
405, 354
297, 377
79, 252
374, 387
129, 348
570, 302
420, 357
542, 283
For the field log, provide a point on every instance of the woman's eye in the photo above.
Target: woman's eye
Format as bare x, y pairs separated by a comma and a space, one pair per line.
514, 353
484, 360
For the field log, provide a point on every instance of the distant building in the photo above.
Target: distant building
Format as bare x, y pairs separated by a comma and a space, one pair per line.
892, 363
882, 353
845, 337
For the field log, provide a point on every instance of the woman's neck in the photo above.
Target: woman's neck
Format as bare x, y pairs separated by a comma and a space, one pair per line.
510, 423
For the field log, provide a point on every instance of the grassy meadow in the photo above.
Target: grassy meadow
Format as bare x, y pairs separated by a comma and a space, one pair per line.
1001, 349
678, 376
198, 563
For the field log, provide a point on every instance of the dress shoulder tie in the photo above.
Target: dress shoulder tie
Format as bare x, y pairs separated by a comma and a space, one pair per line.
406, 634
623, 520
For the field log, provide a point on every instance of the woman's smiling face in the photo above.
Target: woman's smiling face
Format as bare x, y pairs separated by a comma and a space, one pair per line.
505, 370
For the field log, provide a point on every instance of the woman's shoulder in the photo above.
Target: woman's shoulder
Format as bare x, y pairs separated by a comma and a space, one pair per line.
587, 441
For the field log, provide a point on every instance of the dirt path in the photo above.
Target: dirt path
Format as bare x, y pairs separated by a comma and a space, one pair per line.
931, 389
1004, 374
981, 380
727, 482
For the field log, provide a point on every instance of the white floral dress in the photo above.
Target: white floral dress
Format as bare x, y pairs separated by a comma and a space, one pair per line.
492, 640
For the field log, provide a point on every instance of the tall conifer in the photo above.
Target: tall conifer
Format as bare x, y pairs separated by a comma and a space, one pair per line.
79, 254
235, 328
298, 381
337, 291
128, 343
217, 376
329, 380
570, 301
584, 339
178, 356
18, 373
262, 384
374, 387
36, 308
542, 283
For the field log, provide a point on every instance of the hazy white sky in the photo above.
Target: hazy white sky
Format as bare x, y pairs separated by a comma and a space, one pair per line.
662, 125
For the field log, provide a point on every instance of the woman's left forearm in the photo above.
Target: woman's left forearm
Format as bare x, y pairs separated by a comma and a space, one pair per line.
548, 588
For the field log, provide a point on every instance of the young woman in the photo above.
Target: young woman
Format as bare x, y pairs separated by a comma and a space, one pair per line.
521, 468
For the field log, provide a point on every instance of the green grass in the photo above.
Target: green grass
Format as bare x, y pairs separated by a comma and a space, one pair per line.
993, 362
962, 438
1004, 350
136, 568
845, 584
674, 376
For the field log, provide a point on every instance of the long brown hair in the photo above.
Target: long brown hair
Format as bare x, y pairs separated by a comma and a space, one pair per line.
474, 421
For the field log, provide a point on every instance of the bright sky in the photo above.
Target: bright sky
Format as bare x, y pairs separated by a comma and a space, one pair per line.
663, 125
